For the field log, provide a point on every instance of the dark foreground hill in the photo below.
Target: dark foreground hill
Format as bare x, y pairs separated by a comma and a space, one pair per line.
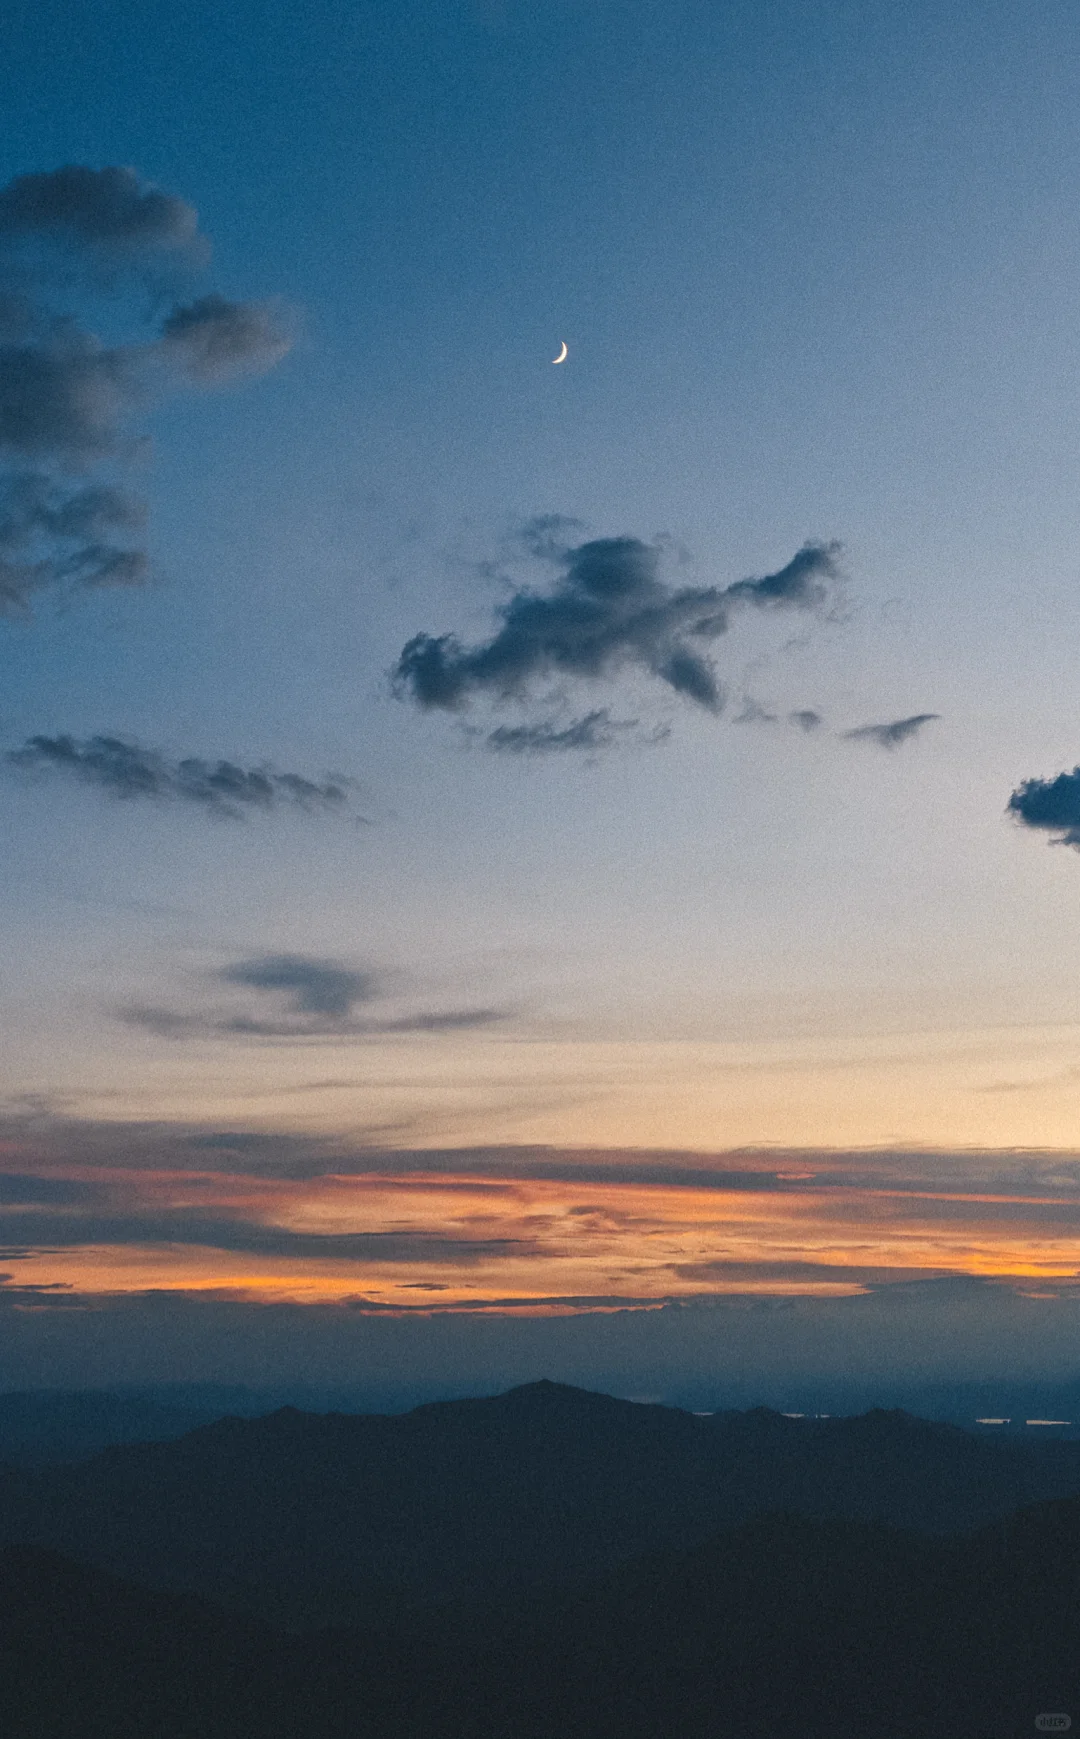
782, 1629
313, 1519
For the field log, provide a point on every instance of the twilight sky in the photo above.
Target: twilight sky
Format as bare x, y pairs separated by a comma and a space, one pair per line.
508, 838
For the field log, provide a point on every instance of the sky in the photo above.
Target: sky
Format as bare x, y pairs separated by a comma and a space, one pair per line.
492, 842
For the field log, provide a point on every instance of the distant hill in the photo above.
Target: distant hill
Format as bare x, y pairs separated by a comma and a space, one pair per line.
52, 1425
306, 1519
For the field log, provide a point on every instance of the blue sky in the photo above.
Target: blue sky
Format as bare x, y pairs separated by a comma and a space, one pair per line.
816, 266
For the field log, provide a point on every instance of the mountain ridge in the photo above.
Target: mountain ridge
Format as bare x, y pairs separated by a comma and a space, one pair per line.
305, 1519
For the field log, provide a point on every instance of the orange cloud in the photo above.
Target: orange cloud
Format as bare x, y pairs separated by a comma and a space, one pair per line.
606, 1228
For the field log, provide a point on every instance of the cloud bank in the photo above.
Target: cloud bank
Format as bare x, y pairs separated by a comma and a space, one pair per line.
969, 1254
608, 611
1050, 804
68, 397
127, 770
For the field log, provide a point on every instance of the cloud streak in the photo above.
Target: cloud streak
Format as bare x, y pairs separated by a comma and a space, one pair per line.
595, 730
130, 772
609, 611
1051, 805
892, 734
318, 999
68, 398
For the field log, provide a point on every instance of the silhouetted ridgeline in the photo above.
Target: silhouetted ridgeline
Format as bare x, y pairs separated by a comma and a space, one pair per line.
545, 1563
312, 1519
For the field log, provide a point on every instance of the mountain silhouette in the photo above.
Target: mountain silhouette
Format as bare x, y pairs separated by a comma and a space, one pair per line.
309, 1519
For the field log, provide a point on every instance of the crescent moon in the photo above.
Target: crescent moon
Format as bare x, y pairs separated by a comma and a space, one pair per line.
563, 354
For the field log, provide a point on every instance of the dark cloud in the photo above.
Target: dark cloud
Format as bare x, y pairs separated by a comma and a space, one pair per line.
890, 736
26, 1232
1053, 805
170, 1023
806, 719
68, 399
608, 610
18, 1190
835, 1273
129, 771
319, 999
446, 1021
112, 209
214, 340
63, 398
37, 1139
596, 730
50, 532
313, 986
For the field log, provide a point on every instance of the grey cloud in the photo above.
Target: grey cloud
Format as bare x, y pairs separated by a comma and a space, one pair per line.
172, 1024
608, 610
801, 584
549, 536
43, 1141
51, 533
25, 1190
67, 398
110, 208
794, 1271
319, 997
128, 771
447, 1021
63, 397
24, 1232
213, 340
1052, 805
753, 713
891, 735
596, 730
313, 986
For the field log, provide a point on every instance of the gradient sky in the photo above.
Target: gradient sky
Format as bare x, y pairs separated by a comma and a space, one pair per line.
701, 961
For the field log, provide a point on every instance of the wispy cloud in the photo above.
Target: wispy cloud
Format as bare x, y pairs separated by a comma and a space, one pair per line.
68, 397
595, 730
127, 770
1052, 805
892, 734
608, 611
317, 999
